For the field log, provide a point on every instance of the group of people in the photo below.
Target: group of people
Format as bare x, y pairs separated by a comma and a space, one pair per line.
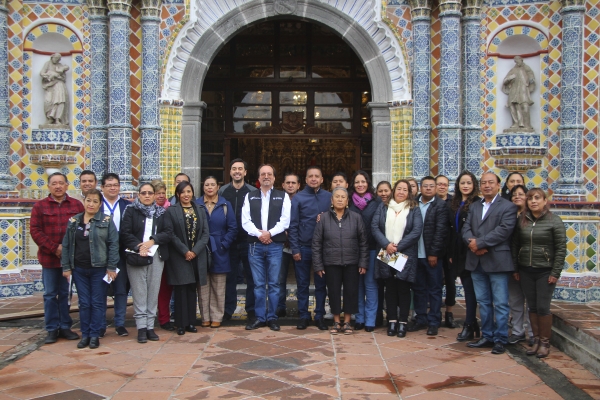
507, 248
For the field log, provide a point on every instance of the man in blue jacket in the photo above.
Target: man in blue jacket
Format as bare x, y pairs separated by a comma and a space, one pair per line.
306, 205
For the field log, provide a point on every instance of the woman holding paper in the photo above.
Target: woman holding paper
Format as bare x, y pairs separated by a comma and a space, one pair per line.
397, 226
91, 253
145, 236
340, 252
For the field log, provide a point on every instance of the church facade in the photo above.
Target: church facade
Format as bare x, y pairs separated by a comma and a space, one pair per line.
399, 88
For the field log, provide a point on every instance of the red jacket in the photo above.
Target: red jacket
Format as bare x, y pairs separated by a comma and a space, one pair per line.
48, 226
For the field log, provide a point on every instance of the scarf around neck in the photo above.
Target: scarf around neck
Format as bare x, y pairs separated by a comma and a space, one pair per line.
148, 211
361, 201
395, 221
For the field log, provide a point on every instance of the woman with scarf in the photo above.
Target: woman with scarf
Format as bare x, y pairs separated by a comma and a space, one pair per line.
145, 237
364, 202
397, 227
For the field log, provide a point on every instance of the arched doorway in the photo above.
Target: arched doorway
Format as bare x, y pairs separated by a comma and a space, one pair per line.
289, 93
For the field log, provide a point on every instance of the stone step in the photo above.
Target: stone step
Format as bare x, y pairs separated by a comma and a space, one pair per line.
575, 340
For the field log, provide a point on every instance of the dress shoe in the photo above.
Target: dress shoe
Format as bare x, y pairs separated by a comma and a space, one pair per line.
432, 330
359, 326
52, 337
102, 332
205, 324
402, 328
142, 335
215, 324
121, 331
94, 343
255, 325
180, 331
303, 323
320, 323
281, 312
273, 325
191, 328
417, 327
392, 329
449, 320
498, 348
481, 343
68, 334
168, 326
151, 335
84, 342
369, 328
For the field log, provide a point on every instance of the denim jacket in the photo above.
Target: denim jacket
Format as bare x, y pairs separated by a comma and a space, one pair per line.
104, 242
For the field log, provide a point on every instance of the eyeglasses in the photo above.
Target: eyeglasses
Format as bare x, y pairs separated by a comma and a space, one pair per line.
146, 193
442, 184
114, 185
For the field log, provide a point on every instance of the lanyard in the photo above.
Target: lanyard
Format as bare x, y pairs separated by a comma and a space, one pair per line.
111, 209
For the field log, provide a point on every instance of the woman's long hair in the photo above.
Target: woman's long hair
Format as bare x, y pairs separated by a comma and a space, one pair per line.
410, 199
505, 192
530, 193
181, 186
457, 199
370, 188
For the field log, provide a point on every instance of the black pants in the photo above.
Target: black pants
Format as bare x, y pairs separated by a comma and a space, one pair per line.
450, 282
470, 299
397, 294
335, 276
185, 305
537, 290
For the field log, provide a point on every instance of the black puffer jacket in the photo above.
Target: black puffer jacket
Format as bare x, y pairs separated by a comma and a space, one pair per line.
541, 243
340, 242
435, 228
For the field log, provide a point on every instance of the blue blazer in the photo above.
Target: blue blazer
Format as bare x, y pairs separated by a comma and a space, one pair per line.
223, 231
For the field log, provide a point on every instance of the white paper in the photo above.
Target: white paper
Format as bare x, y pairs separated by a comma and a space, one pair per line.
400, 262
396, 260
108, 279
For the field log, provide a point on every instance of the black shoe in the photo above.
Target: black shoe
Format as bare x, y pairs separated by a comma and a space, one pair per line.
102, 332
142, 335
514, 339
320, 323
358, 326
281, 313
481, 343
379, 319
121, 331
255, 325
303, 323
402, 329
68, 334
369, 328
498, 348
449, 323
180, 331
94, 343
84, 342
392, 329
273, 325
151, 335
417, 327
432, 330
168, 326
191, 328
226, 316
466, 334
52, 337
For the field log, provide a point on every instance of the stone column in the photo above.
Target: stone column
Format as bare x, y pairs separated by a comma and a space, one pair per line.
98, 129
150, 124
471, 112
382, 142
119, 120
449, 129
570, 183
421, 129
7, 182
190, 141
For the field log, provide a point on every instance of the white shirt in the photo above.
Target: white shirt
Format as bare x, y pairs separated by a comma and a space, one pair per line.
486, 205
116, 213
280, 226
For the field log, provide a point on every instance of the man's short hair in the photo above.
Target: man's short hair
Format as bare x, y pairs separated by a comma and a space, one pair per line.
427, 178
441, 176
57, 174
491, 173
109, 175
182, 174
291, 174
88, 172
267, 165
236, 160
314, 167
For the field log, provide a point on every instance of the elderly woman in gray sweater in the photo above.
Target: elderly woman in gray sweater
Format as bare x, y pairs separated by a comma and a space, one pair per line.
340, 252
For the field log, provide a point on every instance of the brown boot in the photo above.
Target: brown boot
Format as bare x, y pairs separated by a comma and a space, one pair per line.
545, 326
533, 319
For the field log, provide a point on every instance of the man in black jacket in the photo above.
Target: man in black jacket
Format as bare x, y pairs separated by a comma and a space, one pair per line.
430, 270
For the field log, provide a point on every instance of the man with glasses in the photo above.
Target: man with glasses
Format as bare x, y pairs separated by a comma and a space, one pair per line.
114, 205
48, 226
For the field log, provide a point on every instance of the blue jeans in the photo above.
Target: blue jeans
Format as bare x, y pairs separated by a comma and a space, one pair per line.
238, 252
428, 289
283, 273
303, 268
56, 299
121, 292
91, 291
491, 289
368, 287
265, 263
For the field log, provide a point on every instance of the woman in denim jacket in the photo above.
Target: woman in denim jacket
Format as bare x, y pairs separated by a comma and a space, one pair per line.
91, 251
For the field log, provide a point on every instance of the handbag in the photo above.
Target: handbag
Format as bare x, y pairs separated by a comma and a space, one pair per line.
135, 260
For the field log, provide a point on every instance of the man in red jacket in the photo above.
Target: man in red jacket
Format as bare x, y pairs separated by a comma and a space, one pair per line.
48, 226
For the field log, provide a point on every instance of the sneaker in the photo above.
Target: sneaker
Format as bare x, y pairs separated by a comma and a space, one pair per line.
514, 339
121, 331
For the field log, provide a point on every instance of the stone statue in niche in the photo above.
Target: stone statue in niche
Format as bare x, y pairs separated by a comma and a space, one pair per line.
56, 97
518, 84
